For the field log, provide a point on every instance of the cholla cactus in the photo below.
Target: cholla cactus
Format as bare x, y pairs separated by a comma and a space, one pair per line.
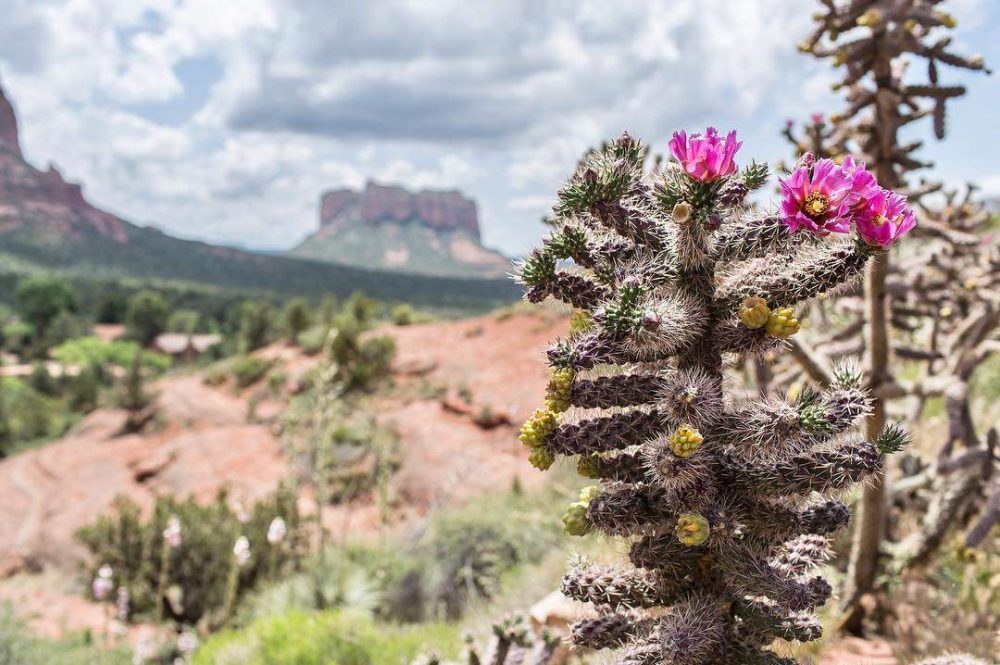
512, 644
727, 504
941, 297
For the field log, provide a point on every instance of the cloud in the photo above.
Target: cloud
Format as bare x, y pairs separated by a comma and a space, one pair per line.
225, 121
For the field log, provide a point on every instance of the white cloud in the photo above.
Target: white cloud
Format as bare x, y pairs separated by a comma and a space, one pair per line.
497, 98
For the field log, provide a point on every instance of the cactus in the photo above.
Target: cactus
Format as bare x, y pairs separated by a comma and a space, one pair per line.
956, 659
923, 294
727, 504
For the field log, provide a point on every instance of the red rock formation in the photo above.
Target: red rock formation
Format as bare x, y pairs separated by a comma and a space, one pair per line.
380, 204
8, 126
44, 197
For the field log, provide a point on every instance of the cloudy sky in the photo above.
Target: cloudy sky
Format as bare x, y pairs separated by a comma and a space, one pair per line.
224, 120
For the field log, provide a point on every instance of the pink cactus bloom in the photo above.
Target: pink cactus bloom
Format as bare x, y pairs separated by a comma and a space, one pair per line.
884, 218
818, 197
863, 183
817, 118
706, 158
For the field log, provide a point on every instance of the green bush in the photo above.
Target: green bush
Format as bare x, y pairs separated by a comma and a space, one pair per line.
92, 350
31, 415
255, 325
199, 568
296, 318
147, 316
312, 340
41, 298
325, 638
402, 315
248, 370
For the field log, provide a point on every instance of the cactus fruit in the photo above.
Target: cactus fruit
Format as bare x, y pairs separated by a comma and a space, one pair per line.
717, 496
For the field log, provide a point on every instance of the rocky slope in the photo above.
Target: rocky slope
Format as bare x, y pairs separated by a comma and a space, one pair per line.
427, 232
46, 223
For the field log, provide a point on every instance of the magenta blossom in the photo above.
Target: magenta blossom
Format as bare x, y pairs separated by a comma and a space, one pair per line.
863, 182
706, 158
817, 118
818, 197
884, 218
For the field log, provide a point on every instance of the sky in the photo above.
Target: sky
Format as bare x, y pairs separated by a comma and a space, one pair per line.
225, 120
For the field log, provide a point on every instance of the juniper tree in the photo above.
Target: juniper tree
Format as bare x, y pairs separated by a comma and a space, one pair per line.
727, 503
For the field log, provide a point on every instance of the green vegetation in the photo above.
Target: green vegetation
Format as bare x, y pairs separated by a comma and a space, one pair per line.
151, 259
135, 398
91, 350
324, 638
41, 298
199, 567
19, 647
296, 318
146, 317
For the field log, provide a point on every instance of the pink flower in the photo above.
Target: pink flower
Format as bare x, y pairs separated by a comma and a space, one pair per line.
817, 118
818, 197
706, 158
863, 182
884, 218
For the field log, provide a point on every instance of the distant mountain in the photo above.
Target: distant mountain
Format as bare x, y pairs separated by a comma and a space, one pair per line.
390, 228
46, 223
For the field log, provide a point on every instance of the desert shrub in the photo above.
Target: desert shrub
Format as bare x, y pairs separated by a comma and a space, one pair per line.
324, 638
402, 315
147, 316
200, 565
16, 337
183, 321
133, 396
296, 318
42, 381
63, 327
92, 350
41, 298
216, 374
31, 415
312, 340
255, 325
84, 390
361, 362
248, 370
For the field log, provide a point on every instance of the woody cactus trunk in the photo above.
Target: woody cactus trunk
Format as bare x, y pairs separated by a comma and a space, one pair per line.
871, 39
727, 504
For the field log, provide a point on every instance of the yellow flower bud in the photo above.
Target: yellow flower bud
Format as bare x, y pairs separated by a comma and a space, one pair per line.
870, 18
575, 520
947, 19
685, 441
541, 458
805, 47
692, 529
559, 390
782, 323
537, 428
969, 284
580, 322
909, 25
754, 313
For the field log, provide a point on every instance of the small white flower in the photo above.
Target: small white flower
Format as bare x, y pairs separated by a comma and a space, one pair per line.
277, 531
241, 550
187, 642
172, 534
102, 584
241, 513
